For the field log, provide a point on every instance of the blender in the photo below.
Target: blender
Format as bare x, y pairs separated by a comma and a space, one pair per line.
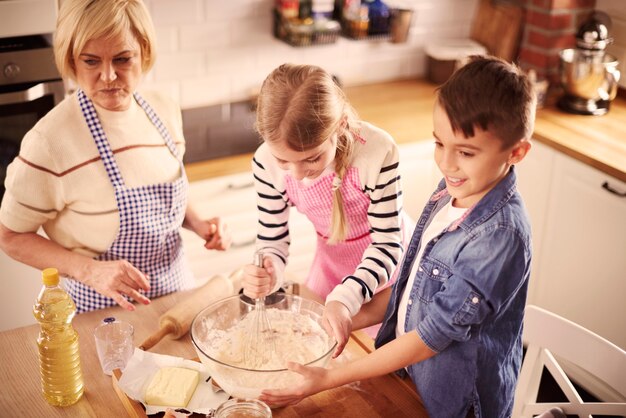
589, 75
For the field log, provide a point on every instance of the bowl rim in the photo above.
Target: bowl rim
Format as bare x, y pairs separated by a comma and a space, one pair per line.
238, 296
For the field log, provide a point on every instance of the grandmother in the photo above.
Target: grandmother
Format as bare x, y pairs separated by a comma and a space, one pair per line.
102, 172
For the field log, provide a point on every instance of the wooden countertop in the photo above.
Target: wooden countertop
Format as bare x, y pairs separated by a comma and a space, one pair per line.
404, 109
21, 392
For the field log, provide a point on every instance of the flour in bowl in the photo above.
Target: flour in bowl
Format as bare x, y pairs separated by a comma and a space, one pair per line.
294, 337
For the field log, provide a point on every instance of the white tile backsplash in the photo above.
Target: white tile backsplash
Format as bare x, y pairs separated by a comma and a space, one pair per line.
199, 91
216, 51
167, 39
176, 12
180, 65
204, 37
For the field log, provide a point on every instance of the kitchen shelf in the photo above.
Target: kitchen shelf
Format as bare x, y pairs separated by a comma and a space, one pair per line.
298, 34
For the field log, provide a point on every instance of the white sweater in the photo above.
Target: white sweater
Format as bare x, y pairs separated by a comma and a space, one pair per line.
59, 182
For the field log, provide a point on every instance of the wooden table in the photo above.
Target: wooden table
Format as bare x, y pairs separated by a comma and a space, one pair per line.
20, 394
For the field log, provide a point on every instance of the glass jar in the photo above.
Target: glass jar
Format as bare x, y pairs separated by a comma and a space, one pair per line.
243, 408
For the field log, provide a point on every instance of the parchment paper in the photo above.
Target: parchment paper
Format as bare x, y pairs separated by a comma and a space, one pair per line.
143, 365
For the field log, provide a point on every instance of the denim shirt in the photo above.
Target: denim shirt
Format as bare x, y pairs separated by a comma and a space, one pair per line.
467, 304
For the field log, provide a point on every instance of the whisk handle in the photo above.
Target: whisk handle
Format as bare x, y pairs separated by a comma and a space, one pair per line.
258, 259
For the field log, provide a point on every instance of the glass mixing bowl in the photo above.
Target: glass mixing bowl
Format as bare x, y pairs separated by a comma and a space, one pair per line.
210, 326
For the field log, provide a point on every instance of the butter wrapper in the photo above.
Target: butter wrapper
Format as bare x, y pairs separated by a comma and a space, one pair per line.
143, 365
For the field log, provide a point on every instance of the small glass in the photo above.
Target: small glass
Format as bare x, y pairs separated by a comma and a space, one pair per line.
114, 343
248, 408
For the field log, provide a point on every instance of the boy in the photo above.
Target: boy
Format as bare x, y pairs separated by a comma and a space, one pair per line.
453, 319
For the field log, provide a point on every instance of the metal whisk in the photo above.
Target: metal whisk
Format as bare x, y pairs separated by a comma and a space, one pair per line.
259, 344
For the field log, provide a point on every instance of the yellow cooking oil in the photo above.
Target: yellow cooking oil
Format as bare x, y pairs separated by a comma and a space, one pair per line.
59, 357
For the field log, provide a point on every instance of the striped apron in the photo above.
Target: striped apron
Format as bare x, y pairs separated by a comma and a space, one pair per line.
150, 219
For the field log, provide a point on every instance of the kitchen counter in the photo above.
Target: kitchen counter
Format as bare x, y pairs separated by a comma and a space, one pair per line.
21, 393
404, 109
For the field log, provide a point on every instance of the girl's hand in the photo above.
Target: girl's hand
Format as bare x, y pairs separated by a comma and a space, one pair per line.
216, 234
315, 380
259, 281
116, 279
338, 323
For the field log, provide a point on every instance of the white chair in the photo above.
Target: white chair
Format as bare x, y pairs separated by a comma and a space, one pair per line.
557, 343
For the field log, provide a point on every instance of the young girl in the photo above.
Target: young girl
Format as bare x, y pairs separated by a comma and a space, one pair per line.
342, 174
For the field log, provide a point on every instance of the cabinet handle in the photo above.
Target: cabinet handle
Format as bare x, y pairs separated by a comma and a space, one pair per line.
607, 186
242, 244
233, 186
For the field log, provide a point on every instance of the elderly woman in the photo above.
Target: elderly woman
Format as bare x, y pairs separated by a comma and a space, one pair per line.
102, 172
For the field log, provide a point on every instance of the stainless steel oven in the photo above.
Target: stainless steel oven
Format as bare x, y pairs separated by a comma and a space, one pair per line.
30, 86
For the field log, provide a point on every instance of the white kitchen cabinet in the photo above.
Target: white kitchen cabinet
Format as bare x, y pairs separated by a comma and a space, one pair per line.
534, 179
420, 175
233, 198
20, 287
579, 240
583, 264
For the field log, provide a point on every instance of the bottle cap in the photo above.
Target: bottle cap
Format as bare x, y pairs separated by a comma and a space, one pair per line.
50, 276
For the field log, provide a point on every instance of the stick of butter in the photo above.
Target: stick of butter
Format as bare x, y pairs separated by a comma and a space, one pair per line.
172, 386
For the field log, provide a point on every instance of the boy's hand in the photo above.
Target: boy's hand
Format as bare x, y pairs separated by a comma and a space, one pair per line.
338, 323
258, 281
315, 380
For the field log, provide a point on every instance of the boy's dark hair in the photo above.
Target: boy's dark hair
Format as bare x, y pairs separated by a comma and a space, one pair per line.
493, 95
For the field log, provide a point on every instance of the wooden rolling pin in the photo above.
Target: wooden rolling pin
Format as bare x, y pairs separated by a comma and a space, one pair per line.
177, 320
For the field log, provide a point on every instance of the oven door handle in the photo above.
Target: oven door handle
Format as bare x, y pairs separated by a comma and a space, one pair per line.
28, 95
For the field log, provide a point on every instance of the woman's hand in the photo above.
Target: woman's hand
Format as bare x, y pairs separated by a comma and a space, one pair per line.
216, 234
316, 379
116, 279
338, 323
259, 281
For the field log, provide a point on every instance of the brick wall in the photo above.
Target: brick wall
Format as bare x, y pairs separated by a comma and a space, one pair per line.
550, 26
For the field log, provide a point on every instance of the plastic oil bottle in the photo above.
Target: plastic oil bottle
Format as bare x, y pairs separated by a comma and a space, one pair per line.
59, 358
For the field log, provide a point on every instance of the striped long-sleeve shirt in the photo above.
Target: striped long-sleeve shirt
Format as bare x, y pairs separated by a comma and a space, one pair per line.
374, 171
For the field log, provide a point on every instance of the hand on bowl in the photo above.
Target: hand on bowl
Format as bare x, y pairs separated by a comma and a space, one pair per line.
338, 323
314, 380
213, 328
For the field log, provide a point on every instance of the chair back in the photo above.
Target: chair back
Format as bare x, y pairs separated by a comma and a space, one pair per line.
556, 343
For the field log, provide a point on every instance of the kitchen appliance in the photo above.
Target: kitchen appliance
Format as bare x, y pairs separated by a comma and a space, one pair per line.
589, 75
30, 84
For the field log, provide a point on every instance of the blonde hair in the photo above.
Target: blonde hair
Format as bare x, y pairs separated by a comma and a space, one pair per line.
302, 106
80, 21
